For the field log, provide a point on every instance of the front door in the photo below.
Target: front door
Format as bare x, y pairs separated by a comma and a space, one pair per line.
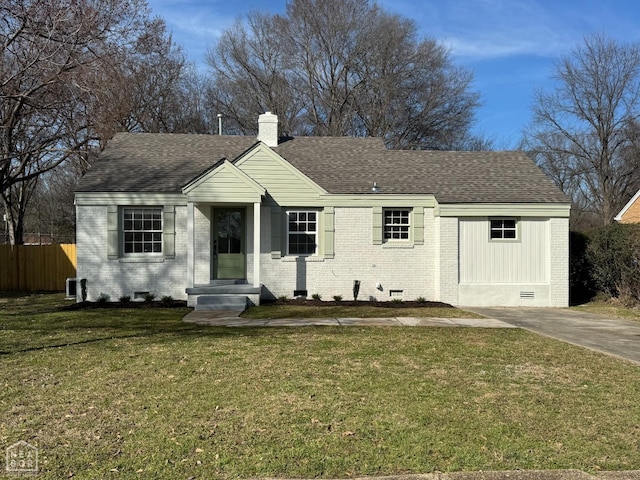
228, 243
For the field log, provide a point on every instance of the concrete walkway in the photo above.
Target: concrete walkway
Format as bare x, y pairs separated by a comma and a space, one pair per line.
230, 318
609, 335
515, 475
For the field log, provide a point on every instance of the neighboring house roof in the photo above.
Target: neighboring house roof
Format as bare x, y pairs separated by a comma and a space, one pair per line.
625, 209
340, 165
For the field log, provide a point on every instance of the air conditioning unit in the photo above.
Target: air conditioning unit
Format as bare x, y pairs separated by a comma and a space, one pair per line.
71, 288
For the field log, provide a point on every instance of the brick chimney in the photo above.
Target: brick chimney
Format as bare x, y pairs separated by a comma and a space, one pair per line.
268, 129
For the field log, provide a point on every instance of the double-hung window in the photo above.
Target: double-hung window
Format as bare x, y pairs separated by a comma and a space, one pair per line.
503, 229
302, 232
396, 224
142, 230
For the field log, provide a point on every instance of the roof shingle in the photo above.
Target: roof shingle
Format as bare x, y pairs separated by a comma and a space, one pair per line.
341, 165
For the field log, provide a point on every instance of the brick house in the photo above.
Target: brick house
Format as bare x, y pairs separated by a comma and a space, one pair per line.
630, 213
207, 216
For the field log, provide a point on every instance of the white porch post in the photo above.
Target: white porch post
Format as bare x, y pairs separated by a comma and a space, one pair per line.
256, 244
190, 245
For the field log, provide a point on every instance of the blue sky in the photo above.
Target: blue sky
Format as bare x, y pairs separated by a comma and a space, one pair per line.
510, 45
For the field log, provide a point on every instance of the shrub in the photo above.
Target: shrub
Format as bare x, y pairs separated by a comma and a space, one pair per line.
103, 298
316, 296
337, 298
421, 300
124, 299
396, 300
283, 298
613, 254
581, 286
148, 297
167, 300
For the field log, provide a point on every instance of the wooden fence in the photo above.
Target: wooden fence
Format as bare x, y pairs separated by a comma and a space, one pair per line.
36, 267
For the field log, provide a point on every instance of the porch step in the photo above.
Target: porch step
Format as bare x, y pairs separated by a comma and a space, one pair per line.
224, 302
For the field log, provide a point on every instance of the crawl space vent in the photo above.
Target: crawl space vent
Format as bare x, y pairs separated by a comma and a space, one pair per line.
527, 295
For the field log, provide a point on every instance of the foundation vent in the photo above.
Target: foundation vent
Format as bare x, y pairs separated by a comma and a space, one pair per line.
527, 295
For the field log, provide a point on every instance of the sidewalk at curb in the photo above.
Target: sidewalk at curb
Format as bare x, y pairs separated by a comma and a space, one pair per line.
511, 475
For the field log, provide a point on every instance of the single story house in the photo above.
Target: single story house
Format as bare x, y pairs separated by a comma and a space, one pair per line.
211, 216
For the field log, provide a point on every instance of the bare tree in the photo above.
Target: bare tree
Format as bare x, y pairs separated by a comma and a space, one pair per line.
582, 133
342, 67
71, 74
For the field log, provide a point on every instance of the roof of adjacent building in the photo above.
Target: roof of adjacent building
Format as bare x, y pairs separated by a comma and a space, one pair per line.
164, 163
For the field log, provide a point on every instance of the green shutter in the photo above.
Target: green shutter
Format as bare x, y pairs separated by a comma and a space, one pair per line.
418, 225
169, 231
329, 232
112, 232
276, 231
377, 225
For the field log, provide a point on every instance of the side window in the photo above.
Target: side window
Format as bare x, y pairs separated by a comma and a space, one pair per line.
503, 229
302, 232
141, 230
396, 224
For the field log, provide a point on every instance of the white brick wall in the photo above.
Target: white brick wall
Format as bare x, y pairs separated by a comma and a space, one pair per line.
118, 277
559, 262
202, 239
448, 259
430, 270
356, 258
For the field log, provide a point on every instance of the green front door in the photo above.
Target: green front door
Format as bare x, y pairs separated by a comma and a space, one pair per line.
228, 243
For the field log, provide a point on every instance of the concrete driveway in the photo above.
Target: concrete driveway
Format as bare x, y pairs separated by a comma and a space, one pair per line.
610, 335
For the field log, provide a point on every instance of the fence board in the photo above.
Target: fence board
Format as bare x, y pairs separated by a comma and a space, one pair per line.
36, 267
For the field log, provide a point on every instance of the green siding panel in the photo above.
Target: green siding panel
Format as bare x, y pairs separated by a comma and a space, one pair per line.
282, 181
377, 225
329, 233
169, 231
112, 232
225, 185
276, 231
418, 225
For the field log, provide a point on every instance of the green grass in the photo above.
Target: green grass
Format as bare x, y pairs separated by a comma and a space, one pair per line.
139, 394
305, 311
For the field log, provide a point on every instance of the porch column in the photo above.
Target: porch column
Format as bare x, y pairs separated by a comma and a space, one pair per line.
190, 246
256, 244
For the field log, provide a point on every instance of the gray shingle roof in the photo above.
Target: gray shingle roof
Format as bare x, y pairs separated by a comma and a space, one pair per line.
166, 162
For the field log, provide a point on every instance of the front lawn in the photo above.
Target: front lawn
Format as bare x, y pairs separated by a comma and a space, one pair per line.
353, 310
139, 394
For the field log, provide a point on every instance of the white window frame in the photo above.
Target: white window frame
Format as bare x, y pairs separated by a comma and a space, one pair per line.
502, 229
127, 227
306, 222
399, 227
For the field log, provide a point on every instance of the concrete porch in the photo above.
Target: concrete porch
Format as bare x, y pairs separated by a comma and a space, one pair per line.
223, 295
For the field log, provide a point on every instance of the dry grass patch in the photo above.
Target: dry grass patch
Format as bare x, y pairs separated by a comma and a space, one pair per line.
139, 394
610, 308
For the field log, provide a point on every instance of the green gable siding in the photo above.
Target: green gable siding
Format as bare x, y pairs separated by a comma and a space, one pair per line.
284, 183
225, 184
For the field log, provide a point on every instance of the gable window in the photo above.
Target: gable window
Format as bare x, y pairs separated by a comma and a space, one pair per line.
142, 230
302, 232
396, 224
503, 229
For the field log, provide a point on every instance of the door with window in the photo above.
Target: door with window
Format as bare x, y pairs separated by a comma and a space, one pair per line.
228, 243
